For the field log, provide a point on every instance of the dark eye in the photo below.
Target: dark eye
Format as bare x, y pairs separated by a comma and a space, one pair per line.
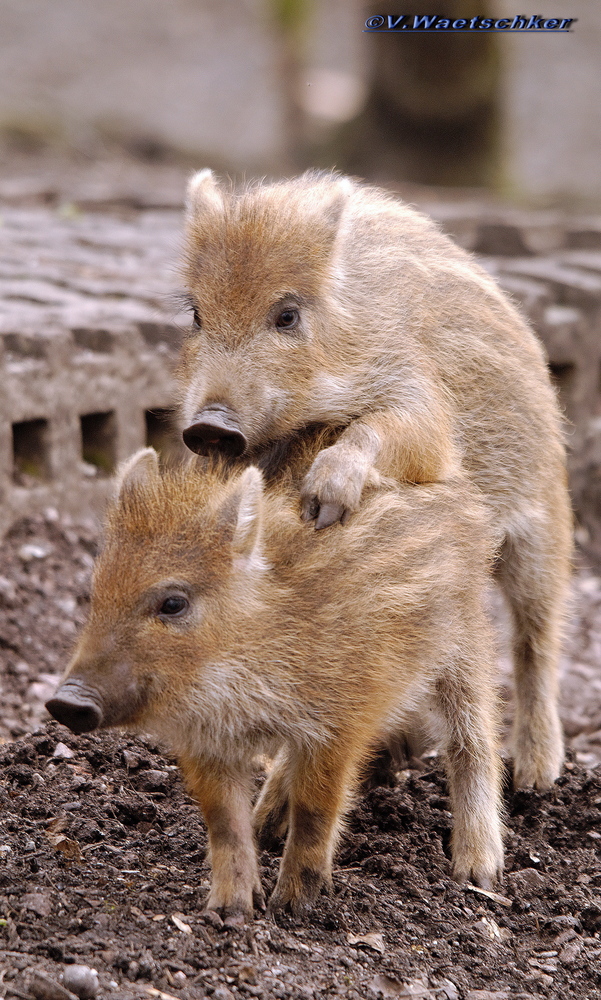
173, 606
196, 320
287, 319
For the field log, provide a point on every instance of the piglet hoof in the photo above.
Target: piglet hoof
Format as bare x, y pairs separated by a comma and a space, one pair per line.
297, 906
329, 513
212, 917
535, 774
296, 894
537, 750
310, 509
325, 514
227, 916
259, 900
236, 913
487, 880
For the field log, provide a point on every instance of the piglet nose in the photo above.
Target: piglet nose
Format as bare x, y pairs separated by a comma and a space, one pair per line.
215, 430
76, 707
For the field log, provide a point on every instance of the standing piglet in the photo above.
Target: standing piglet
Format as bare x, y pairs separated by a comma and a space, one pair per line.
227, 627
319, 301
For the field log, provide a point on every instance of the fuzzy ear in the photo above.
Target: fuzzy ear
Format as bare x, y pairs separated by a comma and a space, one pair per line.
244, 510
203, 193
330, 197
137, 469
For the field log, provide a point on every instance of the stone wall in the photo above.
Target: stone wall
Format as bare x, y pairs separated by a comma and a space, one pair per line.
89, 333
88, 337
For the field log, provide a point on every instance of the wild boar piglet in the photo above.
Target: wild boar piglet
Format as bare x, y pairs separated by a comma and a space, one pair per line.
323, 301
226, 626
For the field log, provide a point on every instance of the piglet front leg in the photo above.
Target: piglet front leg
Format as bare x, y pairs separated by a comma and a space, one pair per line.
225, 802
411, 443
332, 488
270, 814
319, 786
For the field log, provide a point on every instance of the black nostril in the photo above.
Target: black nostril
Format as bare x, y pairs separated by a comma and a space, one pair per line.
215, 429
206, 440
79, 716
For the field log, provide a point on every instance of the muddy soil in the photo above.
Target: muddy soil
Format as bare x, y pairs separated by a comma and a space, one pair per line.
103, 855
104, 865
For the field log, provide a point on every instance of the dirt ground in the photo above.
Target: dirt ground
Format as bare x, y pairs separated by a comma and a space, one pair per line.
103, 854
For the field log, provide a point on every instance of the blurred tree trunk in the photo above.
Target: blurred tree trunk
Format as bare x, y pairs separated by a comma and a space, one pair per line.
432, 115
291, 19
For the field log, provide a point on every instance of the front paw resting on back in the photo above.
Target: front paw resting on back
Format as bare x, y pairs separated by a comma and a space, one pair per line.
332, 488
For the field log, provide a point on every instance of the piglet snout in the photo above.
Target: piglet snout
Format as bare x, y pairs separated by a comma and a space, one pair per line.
76, 706
215, 429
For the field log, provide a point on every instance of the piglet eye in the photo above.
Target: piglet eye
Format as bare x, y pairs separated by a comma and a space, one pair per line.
287, 319
173, 606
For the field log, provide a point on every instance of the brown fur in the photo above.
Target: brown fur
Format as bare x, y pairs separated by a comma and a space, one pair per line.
413, 357
315, 646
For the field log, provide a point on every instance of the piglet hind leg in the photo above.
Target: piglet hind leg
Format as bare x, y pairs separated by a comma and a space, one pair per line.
225, 801
535, 577
474, 773
270, 814
319, 784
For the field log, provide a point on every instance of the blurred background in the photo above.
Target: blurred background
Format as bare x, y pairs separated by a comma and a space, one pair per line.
273, 86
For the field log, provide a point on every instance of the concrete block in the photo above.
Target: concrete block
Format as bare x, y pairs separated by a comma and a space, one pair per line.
88, 341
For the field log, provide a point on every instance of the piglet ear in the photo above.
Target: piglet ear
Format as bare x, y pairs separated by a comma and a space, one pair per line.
203, 193
242, 513
136, 470
325, 196
249, 517
335, 197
